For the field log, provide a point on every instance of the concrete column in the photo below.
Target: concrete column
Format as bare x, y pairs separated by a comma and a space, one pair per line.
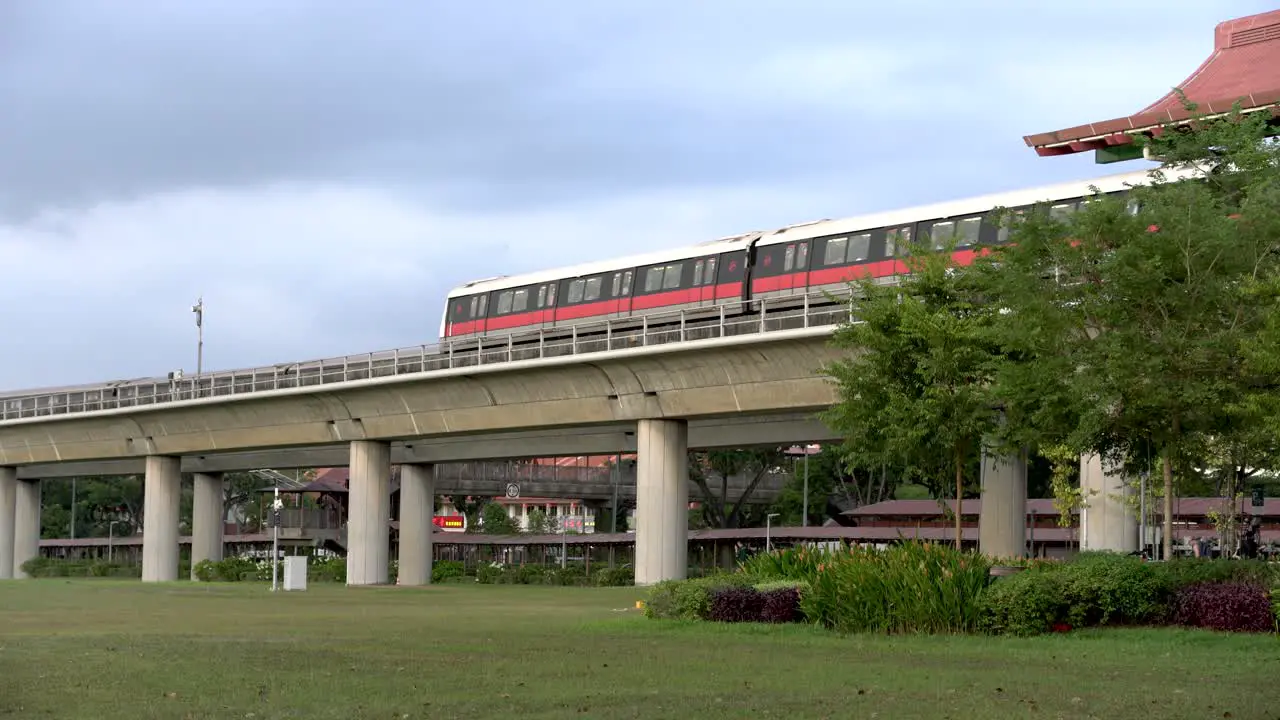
417, 508
206, 519
8, 501
162, 489
26, 524
662, 501
1002, 525
368, 532
1106, 522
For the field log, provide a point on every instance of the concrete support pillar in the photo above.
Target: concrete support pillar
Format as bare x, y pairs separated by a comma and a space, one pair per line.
26, 524
206, 519
1002, 525
162, 489
1106, 521
417, 508
8, 503
662, 501
368, 531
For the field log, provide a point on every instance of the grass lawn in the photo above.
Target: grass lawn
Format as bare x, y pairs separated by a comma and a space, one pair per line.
118, 649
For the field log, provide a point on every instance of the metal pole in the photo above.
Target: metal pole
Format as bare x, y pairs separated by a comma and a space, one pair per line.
805, 521
198, 309
768, 531
275, 539
73, 508
617, 476
111, 532
564, 541
1142, 513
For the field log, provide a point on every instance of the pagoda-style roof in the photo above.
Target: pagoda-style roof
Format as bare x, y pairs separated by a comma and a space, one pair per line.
1244, 67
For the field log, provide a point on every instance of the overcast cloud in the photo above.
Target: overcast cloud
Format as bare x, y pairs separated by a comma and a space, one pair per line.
324, 172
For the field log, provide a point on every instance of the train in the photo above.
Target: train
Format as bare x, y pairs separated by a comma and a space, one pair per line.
723, 277
792, 261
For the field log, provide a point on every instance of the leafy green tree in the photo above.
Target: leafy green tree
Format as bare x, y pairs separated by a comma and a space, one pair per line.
1129, 318
914, 391
537, 522
495, 520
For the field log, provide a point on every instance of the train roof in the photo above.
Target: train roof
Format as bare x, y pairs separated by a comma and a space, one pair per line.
720, 245
821, 228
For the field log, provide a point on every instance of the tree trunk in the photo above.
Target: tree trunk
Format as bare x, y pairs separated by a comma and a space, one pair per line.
959, 499
1166, 542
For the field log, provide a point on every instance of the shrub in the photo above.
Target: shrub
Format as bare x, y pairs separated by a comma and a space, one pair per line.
1239, 607
1183, 572
44, 567
446, 570
1275, 608
326, 569
911, 587
620, 576
780, 605
688, 599
1029, 603
1113, 589
736, 604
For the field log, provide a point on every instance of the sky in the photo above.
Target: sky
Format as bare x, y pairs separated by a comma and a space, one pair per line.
323, 172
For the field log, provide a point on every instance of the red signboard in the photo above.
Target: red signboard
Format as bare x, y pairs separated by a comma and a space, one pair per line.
451, 523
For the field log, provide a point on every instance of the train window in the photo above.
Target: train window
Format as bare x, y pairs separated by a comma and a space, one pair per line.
576, 289
697, 272
671, 276
835, 251
1006, 226
859, 248
895, 239
711, 272
504, 303
617, 285
1133, 207
520, 302
626, 283
1060, 212
594, 286
802, 256
789, 259
941, 232
653, 279
969, 229
542, 296
484, 305
474, 301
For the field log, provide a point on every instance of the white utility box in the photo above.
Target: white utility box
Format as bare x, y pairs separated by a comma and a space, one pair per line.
295, 572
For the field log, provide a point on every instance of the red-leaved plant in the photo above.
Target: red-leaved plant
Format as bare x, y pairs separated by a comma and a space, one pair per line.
1237, 607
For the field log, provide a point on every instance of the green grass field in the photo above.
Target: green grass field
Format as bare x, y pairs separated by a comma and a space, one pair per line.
108, 649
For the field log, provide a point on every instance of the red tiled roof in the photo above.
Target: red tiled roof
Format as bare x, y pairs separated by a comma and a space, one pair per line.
1182, 507
1244, 67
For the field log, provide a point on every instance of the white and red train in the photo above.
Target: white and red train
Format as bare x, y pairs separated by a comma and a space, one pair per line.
794, 260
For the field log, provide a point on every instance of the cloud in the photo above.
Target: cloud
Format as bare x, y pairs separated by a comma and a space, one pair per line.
324, 172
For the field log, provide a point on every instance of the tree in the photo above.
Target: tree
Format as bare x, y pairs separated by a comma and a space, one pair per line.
718, 466
832, 483
1130, 317
914, 391
537, 522
494, 520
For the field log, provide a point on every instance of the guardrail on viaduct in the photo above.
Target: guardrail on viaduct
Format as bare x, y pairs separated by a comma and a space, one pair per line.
767, 315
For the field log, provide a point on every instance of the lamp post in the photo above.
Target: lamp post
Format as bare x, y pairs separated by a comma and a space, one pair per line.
111, 535
768, 530
198, 309
276, 505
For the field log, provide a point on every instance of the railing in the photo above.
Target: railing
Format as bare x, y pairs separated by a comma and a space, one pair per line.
727, 320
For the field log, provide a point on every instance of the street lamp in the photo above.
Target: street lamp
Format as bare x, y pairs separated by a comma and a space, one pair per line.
768, 528
198, 309
111, 533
